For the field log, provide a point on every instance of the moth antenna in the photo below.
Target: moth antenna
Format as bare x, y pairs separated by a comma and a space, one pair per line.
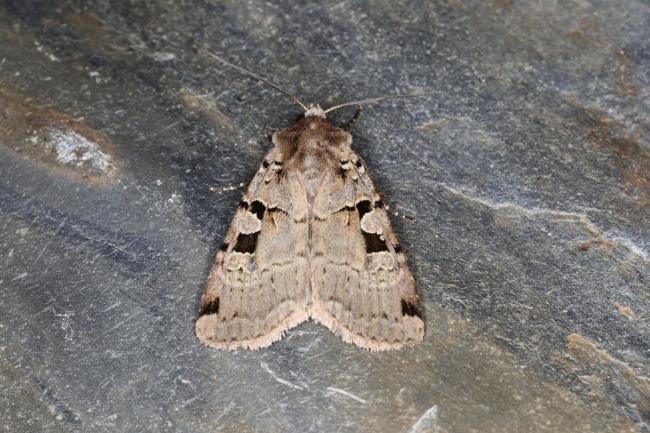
257, 77
375, 100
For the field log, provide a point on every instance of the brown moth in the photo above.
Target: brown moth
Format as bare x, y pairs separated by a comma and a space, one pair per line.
311, 239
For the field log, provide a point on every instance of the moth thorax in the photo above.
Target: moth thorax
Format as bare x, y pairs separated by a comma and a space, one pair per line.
312, 165
315, 110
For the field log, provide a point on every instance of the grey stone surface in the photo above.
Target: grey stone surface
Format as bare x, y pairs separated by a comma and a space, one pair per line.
522, 188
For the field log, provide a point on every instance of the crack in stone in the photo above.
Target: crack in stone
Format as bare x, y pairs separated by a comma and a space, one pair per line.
559, 214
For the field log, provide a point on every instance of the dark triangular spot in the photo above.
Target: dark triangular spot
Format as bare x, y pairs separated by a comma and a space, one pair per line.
258, 209
265, 164
243, 205
374, 243
409, 309
398, 249
211, 307
246, 243
363, 207
224, 247
379, 204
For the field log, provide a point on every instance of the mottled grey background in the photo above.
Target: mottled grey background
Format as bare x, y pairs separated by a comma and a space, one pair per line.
522, 189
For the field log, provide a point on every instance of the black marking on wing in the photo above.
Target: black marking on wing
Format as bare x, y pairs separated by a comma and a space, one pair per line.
346, 208
246, 243
363, 207
211, 307
379, 204
409, 309
343, 168
272, 211
258, 208
265, 164
277, 209
374, 242
243, 205
224, 246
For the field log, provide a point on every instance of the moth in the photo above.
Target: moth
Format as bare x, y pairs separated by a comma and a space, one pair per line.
311, 238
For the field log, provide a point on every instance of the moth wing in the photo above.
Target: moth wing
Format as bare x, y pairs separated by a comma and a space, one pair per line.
259, 284
362, 287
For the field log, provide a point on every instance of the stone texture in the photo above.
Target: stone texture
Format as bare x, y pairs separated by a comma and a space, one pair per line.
522, 189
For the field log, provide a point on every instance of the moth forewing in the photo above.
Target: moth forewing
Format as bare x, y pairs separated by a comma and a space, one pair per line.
311, 239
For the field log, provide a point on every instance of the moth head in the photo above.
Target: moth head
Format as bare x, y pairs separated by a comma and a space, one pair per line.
311, 129
315, 110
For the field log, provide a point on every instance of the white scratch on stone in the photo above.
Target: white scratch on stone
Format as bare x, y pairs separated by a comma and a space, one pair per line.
347, 394
563, 215
19, 277
571, 216
73, 148
110, 307
428, 422
164, 56
277, 378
